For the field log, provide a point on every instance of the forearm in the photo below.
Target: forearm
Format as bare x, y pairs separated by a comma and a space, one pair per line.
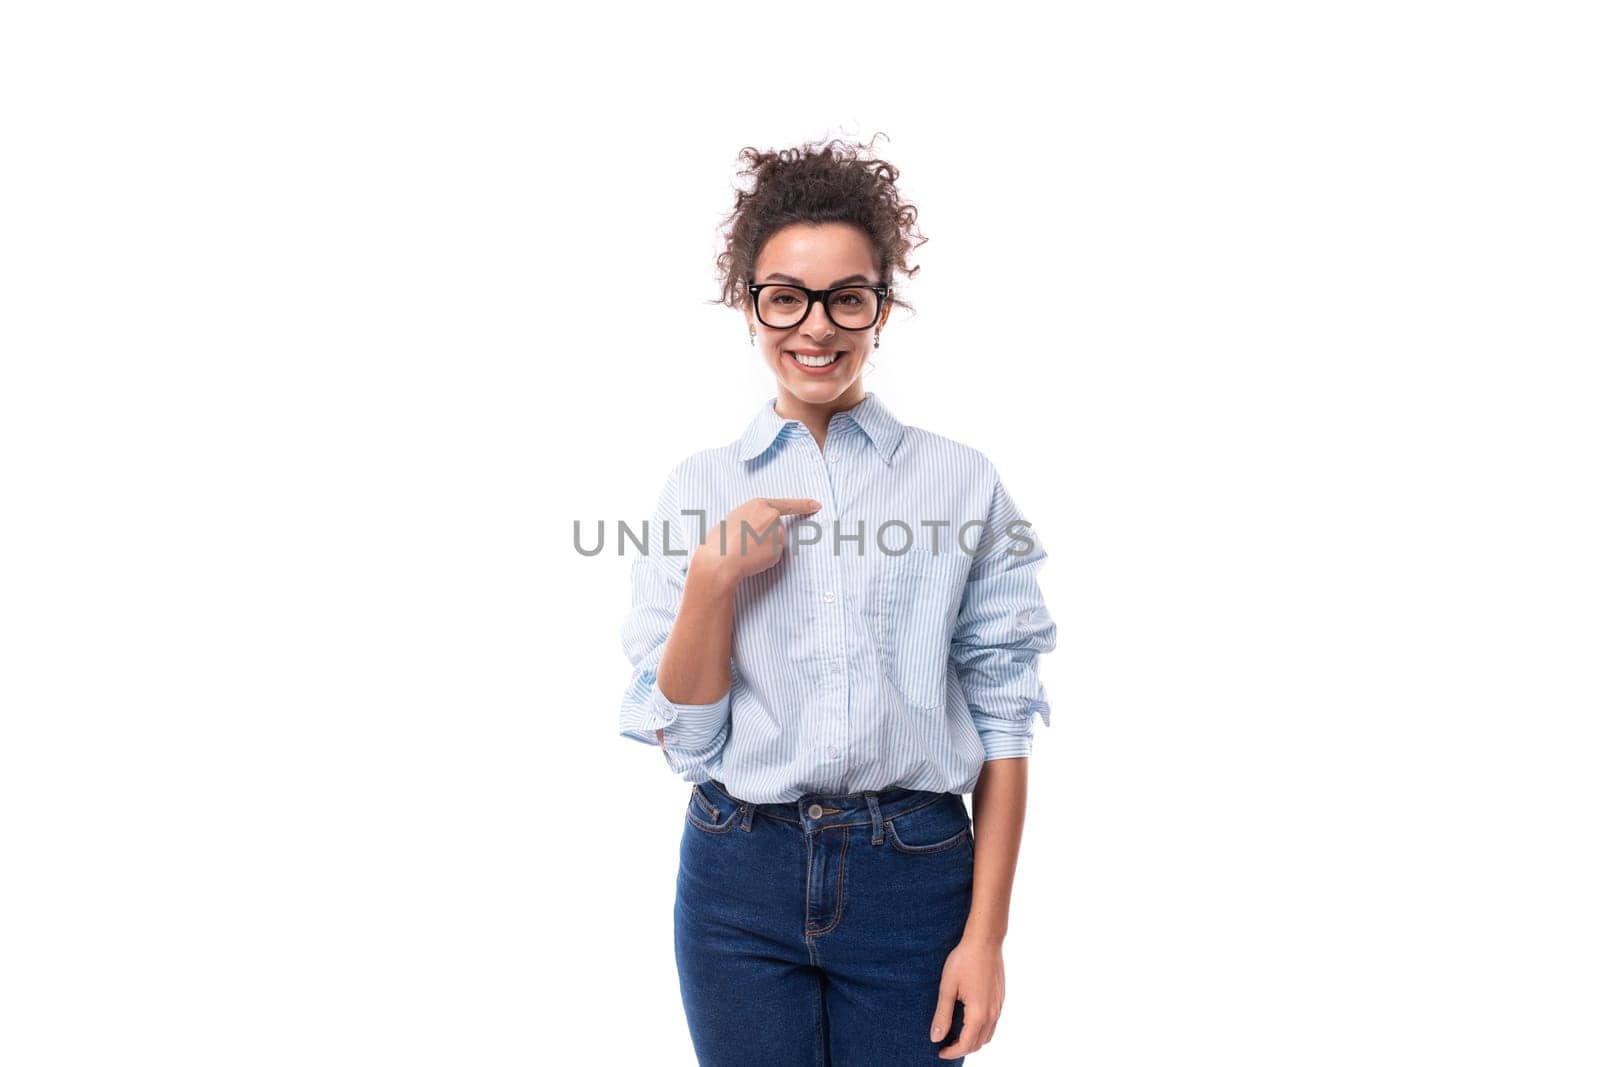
694, 665
999, 802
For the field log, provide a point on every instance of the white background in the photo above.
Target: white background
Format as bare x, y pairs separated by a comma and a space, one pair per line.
322, 323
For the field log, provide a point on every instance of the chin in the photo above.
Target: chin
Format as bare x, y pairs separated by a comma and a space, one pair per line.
819, 388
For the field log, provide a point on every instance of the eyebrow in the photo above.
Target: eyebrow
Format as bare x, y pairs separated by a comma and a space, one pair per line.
792, 280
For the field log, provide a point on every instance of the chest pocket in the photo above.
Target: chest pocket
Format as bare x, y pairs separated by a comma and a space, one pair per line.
918, 595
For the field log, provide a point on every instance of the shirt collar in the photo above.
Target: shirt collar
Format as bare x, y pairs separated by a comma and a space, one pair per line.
870, 414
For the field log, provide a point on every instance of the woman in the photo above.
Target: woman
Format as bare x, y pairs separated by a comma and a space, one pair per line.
835, 634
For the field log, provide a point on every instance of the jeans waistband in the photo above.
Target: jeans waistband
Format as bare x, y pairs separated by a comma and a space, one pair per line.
815, 811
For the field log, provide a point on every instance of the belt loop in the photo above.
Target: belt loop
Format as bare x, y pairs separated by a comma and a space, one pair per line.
745, 809
877, 819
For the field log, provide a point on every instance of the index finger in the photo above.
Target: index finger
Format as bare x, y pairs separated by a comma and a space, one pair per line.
790, 505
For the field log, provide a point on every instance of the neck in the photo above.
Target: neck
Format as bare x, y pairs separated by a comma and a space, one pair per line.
815, 417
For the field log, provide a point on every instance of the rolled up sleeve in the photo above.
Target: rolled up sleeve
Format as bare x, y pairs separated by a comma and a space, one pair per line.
694, 733
1001, 630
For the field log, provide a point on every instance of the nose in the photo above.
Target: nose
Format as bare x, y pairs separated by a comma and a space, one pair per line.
817, 324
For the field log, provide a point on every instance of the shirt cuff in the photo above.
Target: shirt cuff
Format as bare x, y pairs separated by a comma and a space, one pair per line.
687, 726
1007, 738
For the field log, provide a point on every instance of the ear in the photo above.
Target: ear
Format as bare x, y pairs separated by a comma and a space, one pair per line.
888, 305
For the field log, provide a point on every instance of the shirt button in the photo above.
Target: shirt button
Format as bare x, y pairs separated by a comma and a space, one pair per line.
833, 751
835, 668
834, 458
815, 811
827, 598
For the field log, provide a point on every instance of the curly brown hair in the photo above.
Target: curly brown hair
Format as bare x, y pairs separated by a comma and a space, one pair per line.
831, 181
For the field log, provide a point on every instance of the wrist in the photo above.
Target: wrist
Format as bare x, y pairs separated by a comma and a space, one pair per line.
710, 568
984, 934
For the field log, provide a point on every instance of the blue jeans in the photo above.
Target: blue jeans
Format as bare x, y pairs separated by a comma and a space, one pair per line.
815, 932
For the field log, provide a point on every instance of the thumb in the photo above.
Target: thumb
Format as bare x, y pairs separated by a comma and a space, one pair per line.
946, 1008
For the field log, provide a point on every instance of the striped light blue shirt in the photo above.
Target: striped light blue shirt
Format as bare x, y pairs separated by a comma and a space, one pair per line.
859, 668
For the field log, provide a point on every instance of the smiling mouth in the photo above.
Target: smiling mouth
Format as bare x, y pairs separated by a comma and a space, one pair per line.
814, 362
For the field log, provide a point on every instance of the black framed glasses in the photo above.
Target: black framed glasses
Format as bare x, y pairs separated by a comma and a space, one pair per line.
850, 307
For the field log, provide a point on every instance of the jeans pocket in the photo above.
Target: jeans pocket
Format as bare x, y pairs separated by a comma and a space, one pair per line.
711, 812
936, 827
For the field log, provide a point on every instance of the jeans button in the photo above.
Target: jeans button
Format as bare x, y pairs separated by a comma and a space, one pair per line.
815, 811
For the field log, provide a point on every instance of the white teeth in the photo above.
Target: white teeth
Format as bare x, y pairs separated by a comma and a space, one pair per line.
814, 361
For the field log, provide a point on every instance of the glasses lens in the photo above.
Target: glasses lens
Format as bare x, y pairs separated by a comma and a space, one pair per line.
854, 309
780, 306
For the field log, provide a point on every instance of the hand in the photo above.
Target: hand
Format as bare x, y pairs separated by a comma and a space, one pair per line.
974, 974
756, 549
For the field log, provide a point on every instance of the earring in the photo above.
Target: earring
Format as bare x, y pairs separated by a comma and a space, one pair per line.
875, 339
752, 337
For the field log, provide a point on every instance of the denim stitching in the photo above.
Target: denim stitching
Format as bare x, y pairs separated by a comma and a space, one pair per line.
924, 850
838, 907
772, 809
822, 1034
860, 822
704, 799
805, 916
709, 828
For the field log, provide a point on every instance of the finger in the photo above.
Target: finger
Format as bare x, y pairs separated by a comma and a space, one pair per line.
985, 1033
974, 1023
770, 534
943, 1012
791, 505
